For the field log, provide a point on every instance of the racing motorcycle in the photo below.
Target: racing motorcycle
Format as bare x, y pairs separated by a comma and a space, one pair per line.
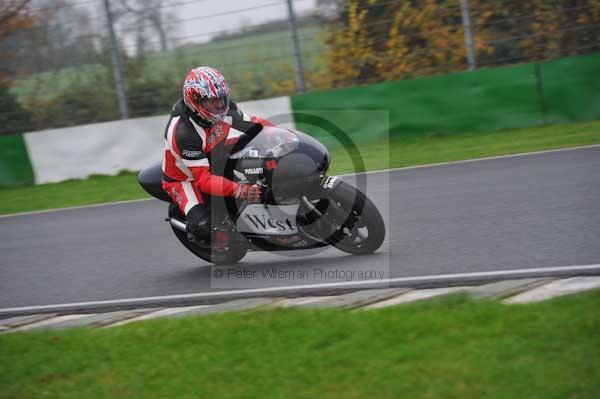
301, 207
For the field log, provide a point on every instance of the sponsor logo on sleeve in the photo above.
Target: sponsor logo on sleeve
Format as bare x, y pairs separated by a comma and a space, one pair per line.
191, 154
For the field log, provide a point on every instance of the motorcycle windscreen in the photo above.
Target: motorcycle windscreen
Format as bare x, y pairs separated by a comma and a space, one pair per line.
271, 142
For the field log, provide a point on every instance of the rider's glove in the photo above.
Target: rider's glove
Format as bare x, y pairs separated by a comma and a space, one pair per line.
250, 193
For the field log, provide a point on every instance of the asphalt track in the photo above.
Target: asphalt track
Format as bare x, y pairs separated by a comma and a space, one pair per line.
531, 211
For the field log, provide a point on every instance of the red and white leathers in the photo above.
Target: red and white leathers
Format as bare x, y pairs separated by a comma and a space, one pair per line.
196, 151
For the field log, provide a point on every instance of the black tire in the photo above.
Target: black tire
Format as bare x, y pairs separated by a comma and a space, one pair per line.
352, 200
231, 257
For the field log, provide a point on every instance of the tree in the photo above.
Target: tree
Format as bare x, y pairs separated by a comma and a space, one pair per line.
541, 29
9, 12
144, 14
13, 118
13, 19
375, 40
52, 36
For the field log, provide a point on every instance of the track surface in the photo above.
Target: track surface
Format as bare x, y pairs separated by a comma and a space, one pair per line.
532, 211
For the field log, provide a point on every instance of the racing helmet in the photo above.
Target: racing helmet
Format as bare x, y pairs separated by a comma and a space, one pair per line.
206, 93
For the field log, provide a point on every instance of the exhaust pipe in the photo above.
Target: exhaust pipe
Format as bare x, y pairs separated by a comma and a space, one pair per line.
178, 224
203, 241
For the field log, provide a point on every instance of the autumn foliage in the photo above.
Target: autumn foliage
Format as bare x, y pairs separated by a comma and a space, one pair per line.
376, 40
359, 42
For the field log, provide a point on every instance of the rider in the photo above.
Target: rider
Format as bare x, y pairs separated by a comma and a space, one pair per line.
203, 127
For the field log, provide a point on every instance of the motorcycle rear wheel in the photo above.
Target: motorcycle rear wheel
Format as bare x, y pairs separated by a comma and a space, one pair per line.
230, 257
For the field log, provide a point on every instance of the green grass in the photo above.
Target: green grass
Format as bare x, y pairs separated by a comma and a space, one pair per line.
379, 155
235, 55
95, 190
434, 148
448, 348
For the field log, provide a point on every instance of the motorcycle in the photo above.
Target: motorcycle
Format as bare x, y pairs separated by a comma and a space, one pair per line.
301, 207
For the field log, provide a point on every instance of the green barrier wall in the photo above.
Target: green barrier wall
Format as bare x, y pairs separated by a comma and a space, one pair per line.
565, 90
571, 89
15, 167
560, 91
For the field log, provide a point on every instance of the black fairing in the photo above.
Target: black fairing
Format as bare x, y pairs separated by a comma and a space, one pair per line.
151, 180
293, 174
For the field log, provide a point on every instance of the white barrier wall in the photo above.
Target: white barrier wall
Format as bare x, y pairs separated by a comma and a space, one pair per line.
111, 147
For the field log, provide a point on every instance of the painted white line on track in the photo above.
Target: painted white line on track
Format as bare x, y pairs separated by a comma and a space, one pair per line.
50, 322
155, 314
555, 289
347, 174
523, 154
69, 208
417, 295
282, 290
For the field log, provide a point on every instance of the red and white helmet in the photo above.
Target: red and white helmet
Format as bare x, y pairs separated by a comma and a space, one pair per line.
205, 92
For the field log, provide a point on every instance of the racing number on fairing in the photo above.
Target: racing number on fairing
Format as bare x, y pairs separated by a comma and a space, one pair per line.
271, 164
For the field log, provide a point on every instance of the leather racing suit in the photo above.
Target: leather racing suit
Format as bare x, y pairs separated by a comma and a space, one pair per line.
195, 153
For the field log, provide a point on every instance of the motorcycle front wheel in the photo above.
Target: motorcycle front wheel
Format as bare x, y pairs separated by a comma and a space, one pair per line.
368, 230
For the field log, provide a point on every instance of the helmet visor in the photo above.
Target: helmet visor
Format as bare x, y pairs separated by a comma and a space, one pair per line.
218, 105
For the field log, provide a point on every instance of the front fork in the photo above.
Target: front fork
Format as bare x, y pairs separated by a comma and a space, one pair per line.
324, 225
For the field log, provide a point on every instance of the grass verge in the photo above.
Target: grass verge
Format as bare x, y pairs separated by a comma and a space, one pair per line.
434, 148
402, 152
449, 348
